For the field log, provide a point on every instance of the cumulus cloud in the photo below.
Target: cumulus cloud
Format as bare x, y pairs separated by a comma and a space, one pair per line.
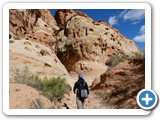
135, 22
141, 36
142, 29
122, 13
113, 20
134, 14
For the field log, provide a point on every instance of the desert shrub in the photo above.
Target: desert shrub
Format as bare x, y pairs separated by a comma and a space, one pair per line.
25, 77
116, 59
21, 76
34, 81
138, 55
53, 88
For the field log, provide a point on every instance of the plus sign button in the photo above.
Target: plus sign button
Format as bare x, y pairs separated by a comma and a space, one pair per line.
147, 99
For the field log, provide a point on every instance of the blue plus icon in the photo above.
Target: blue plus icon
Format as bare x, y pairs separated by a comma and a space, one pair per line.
147, 99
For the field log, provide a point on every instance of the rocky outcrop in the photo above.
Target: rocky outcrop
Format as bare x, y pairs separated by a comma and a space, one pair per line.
62, 16
25, 97
65, 45
36, 25
21, 97
32, 47
81, 38
120, 85
38, 58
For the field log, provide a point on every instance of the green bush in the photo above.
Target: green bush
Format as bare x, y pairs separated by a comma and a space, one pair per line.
34, 81
53, 88
117, 59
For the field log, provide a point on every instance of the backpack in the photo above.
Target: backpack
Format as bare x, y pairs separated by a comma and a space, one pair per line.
83, 91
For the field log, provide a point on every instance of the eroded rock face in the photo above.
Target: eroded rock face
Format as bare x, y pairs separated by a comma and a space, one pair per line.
81, 38
25, 97
64, 15
32, 40
61, 15
38, 58
72, 42
30, 24
120, 85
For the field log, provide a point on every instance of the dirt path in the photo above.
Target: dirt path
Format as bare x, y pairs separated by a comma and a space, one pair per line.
93, 101
23, 96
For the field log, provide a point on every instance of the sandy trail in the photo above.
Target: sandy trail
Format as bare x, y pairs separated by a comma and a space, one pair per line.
93, 101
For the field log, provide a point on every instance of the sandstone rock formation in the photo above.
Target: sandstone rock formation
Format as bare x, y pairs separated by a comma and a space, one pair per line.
38, 58
83, 39
36, 25
66, 44
32, 46
23, 96
120, 85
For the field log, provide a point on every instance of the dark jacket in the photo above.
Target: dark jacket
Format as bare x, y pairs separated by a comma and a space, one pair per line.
78, 85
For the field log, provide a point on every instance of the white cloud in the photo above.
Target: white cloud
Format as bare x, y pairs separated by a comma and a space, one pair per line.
134, 15
135, 22
113, 20
122, 13
141, 36
142, 29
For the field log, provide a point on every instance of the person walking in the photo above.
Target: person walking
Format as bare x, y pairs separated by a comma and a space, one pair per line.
81, 90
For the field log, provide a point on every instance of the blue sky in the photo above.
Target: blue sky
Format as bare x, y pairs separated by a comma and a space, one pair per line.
130, 22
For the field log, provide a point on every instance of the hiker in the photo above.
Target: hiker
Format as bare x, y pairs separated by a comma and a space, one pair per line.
82, 92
